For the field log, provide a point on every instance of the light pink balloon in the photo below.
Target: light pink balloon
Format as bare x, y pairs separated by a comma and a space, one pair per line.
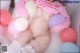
12, 30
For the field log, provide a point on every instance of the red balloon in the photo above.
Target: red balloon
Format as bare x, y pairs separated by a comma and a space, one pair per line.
5, 17
68, 35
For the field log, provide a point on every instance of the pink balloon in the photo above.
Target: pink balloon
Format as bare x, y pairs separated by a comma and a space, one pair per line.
68, 35
12, 30
20, 11
5, 17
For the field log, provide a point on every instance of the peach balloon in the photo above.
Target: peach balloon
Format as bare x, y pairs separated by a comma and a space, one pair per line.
68, 35
5, 17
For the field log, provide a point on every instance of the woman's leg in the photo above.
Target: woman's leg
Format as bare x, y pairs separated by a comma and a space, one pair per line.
24, 37
40, 43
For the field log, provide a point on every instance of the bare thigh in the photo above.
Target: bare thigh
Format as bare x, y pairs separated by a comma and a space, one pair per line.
40, 43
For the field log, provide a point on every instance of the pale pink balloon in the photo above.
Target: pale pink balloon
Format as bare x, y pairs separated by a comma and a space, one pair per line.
16, 26
12, 30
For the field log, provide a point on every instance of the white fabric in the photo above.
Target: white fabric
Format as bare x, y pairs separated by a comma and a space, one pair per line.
14, 48
28, 49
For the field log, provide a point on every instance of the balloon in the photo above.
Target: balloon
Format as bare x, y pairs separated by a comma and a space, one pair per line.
68, 35
20, 11
69, 47
56, 20
21, 24
12, 30
16, 26
5, 17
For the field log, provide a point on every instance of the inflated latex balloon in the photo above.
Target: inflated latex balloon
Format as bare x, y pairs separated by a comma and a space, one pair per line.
31, 8
12, 30
18, 25
21, 24
68, 35
69, 47
56, 20
19, 11
5, 17
17, 1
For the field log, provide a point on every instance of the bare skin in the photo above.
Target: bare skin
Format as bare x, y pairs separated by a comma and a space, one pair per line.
40, 43
40, 30
39, 25
38, 36
24, 37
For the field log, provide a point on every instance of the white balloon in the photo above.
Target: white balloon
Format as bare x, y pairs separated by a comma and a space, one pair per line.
31, 8
21, 24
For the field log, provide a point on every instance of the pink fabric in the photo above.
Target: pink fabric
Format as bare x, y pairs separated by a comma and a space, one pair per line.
50, 7
20, 8
55, 8
46, 6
